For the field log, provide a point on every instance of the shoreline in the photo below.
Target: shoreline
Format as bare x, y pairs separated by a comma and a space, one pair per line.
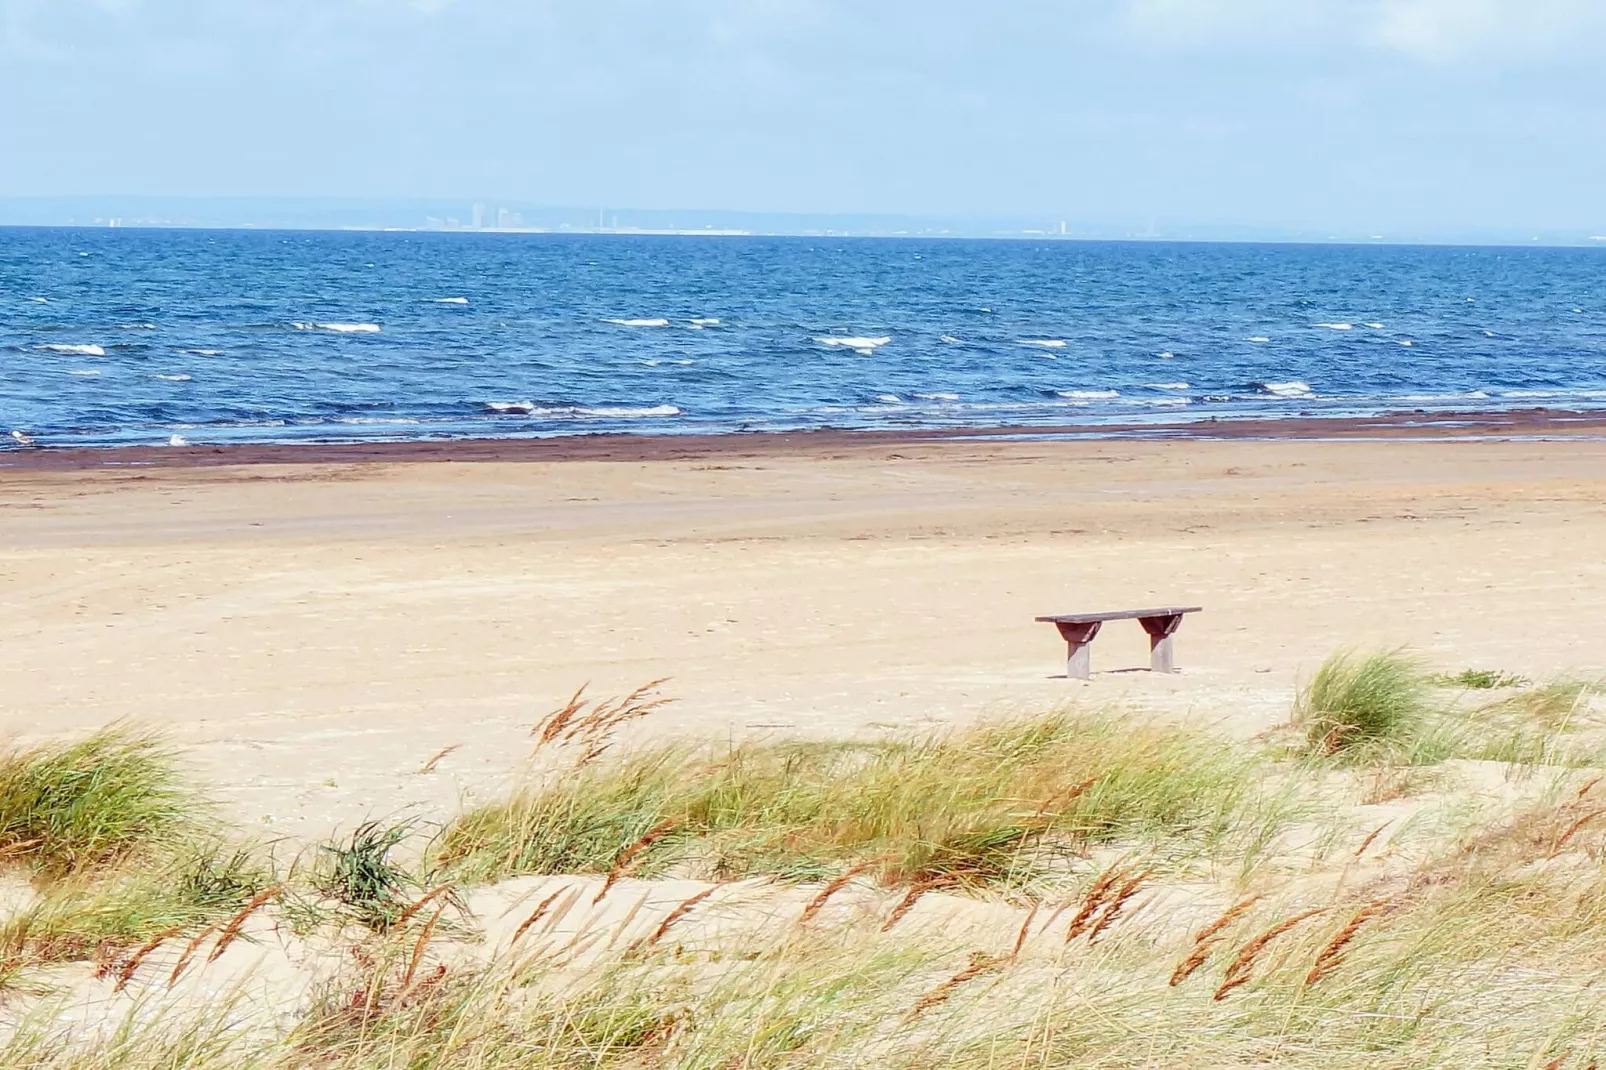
1478, 425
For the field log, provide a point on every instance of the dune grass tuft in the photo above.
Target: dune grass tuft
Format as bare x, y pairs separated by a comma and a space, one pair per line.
1360, 704
65, 808
991, 804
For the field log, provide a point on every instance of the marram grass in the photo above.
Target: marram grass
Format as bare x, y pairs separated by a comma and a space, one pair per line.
990, 804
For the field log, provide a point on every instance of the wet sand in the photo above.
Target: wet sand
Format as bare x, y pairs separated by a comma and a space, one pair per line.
316, 622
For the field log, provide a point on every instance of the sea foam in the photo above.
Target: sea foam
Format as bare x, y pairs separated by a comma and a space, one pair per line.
1089, 395
449, 300
75, 350
339, 328
638, 323
1336, 326
858, 345
1044, 343
1292, 389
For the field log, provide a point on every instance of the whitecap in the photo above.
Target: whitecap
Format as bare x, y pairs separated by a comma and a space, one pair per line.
1168, 355
529, 408
889, 399
203, 352
864, 346
638, 323
1292, 389
1043, 343
653, 362
1089, 395
77, 351
705, 321
951, 340
449, 300
1336, 326
1471, 395
624, 412
180, 378
138, 327
40, 300
84, 371
1406, 342
938, 397
1488, 334
1167, 386
339, 328
1374, 326
1258, 339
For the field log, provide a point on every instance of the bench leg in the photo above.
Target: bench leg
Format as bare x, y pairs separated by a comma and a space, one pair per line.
1162, 646
1079, 641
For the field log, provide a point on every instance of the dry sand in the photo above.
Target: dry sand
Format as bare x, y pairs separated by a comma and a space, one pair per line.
314, 632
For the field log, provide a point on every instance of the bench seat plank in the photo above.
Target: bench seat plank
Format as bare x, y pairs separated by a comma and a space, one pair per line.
1124, 614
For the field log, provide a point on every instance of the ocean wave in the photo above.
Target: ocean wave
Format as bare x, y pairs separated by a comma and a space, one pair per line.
449, 300
1336, 326
1167, 355
1291, 389
862, 346
889, 399
40, 300
1470, 395
1167, 386
339, 328
1258, 339
138, 327
83, 371
1374, 326
705, 321
1089, 395
180, 378
951, 340
74, 350
638, 323
653, 362
1406, 342
937, 397
529, 408
1043, 343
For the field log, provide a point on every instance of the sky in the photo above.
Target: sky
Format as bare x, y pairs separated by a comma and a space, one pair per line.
1355, 115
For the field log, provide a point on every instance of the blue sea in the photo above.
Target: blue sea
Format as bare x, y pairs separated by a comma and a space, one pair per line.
112, 337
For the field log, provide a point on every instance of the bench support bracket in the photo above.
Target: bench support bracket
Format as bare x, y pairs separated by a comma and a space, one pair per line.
1162, 648
1078, 641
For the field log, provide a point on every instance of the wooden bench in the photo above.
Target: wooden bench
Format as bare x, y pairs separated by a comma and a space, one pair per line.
1078, 630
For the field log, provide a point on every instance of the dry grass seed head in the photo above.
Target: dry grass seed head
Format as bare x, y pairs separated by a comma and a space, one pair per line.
1332, 955
1230, 915
535, 915
126, 974
188, 953
1574, 827
1094, 899
232, 930
686, 907
979, 965
817, 904
628, 855
1238, 972
1025, 929
1196, 958
1116, 902
907, 903
429, 766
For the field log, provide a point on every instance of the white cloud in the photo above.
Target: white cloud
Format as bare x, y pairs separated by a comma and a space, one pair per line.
1435, 30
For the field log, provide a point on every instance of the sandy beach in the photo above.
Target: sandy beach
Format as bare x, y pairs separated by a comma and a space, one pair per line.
312, 632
